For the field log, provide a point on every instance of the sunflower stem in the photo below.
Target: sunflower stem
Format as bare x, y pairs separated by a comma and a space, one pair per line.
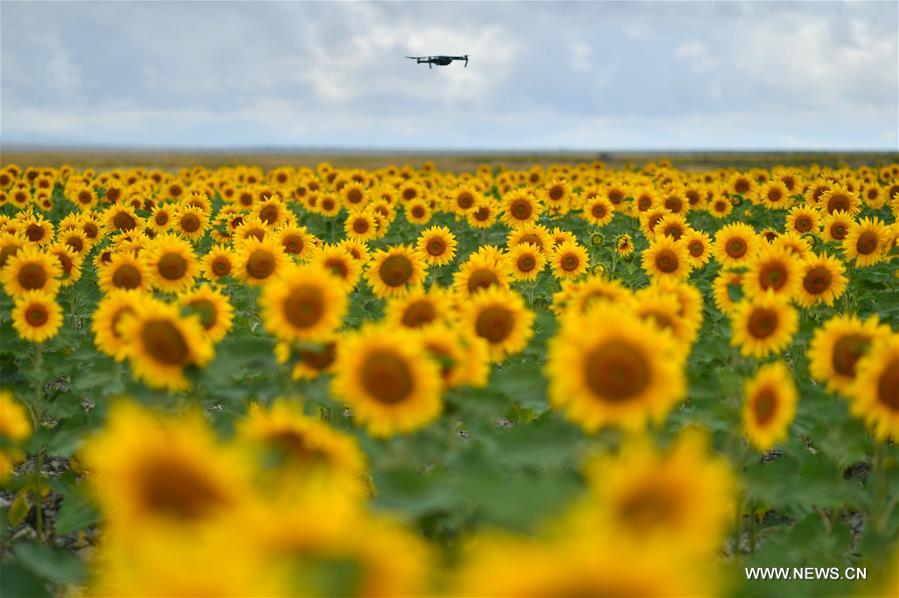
37, 414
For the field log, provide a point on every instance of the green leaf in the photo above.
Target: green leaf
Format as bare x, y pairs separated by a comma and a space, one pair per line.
56, 566
17, 581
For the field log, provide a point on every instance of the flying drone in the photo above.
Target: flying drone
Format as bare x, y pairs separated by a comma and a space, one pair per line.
438, 60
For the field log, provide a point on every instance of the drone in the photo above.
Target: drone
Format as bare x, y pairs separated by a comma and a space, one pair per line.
438, 60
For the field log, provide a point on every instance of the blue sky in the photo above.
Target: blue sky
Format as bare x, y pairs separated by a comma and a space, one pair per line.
584, 75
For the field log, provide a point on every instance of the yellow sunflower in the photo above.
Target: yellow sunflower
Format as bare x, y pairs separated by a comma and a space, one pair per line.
527, 261
520, 207
258, 261
387, 380
823, 280
763, 324
463, 357
36, 316
839, 199
218, 263
69, 261
599, 211
395, 271
420, 308
608, 367
804, 219
666, 258
484, 213
418, 212
866, 242
500, 317
161, 343
838, 345
657, 305
774, 271
437, 245
769, 405
875, 391
15, 428
340, 263
699, 247
624, 245
360, 225
535, 234
296, 241
735, 244
106, 318
305, 303
569, 260
171, 263
31, 269
580, 296
836, 226
212, 307
124, 271
190, 222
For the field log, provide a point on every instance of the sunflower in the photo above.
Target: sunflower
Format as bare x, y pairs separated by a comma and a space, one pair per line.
105, 320
305, 303
30, 269
624, 245
866, 242
483, 215
386, 379
296, 241
328, 205
838, 345
259, 261
76, 241
212, 307
464, 199
569, 260
661, 308
822, 279
14, 429
875, 392
218, 263
160, 219
763, 324
340, 263
599, 211
121, 219
500, 317
437, 245
420, 309
395, 271
673, 226
689, 298
36, 316
310, 360
666, 258
171, 263
69, 261
735, 244
520, 207
479, 272
698, 245
798, 246
418, 212
769, 405
534, 234
38, 231
836, 226
273, 212
463, 357
804, 219
360, 225
582, 295
774, 271
840, 199
190, 222
741, 184
774, 195
161, 343
357, 250
527, 262
608, 367
720, 206
124, 271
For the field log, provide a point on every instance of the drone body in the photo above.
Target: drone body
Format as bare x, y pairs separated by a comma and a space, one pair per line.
438, 60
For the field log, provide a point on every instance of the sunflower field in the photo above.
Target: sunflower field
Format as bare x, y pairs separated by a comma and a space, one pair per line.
551, 381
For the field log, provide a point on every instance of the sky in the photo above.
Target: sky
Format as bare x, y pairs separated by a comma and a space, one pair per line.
542, 76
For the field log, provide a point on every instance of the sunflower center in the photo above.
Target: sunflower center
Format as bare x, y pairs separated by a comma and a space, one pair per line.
32, 277
172, 266
556, 192
741, 186
674, 231
175, 489
419, 313
736, 248
269, 214
338, 267
674, 205
465, 200
65, 262
126, 276
570, 262
666, 261
644, 203
221, 266
304, 306
207, 312
293, 244
75, 243
532, 239
482, 213
803, 224
888, 386
34, 232
123, 221
321, 359
495, 323
598, 211
775, 195
396, 270
521, 209
260, 264
386, 377
482, 278
354, 195
296, 445
817, 280
436, 247
867, 243
36, 315
164, 342
647, 509
85, 197
418, 212
190, 223
847, 351
616, 371
773, 275
696, 248
838, 202
360, 226
839, 231
764, 406
763, 322
526, 263
161, 218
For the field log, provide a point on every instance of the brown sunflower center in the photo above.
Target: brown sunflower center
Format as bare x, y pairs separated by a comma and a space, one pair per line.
221, 266
616, 371
164, 342
419, 313
418, 212
598, 210
65, 262
36, 315
173, 488
482, 278
495, 323
817, 280
482, 214
696, 248
465, 200
521, 209
387, 377
321, 359
803, 224
867, 243
172, 266
742, 186
436, 247
126, 276
32, 277
123, 221
296, 445
764, 406
260, 264
648, 508
736, 248
775, 195
847, 350
762, 322
360, 226
34, 232
838, 201
304, 306
85, 197
293, 244
773, 275
888, 386
75, 243
269, 214
526, 263
354, 195
666, 261
556, 192
570, 262
338, 267
839, 231
674, 204
396, 270
190, 223
206, 310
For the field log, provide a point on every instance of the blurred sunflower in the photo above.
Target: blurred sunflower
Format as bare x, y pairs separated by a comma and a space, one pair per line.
875, 392
437, 245
30, 269
420, 308
838, 345
36, 316
527, 262
190, 222
124, 271
106, 318
772, 271
599, 211
258, 261
769, 405
569, 260
500, 317
763, 324
803, 219
218, 263
735, 244
171, 262
213, 309
520, 207
866, 242
340, 263
823, 280
305, 303
666, 258
395, 271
